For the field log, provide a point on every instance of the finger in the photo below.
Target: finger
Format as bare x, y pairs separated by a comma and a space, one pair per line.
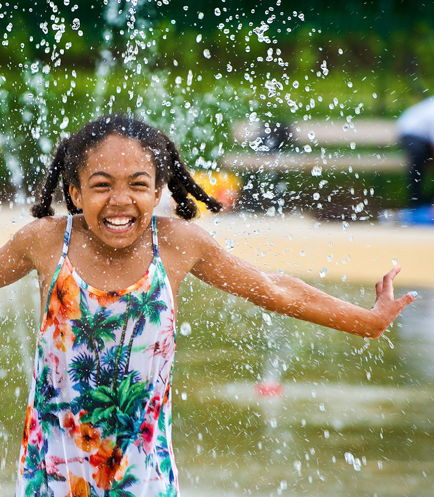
379, 288
407, 299
392, 273
388, 280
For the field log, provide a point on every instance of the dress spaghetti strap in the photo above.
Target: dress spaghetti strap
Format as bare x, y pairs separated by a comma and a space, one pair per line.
154, 236
67, 236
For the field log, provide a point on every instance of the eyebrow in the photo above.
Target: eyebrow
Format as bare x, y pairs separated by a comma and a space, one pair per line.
106, 175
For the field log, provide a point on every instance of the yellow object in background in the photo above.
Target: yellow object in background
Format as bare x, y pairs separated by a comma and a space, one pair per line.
224, 186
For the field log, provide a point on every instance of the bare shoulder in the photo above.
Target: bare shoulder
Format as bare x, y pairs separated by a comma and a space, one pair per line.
184, 234
40, 236
34, 246
184, 245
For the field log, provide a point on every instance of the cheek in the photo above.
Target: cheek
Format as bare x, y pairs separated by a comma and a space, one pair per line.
93, 205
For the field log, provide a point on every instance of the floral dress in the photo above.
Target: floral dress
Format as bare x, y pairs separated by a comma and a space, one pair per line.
99, 414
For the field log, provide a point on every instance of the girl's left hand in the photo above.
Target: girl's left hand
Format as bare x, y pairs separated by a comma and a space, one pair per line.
386, 307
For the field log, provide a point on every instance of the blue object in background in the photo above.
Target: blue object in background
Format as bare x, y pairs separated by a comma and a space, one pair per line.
420, 215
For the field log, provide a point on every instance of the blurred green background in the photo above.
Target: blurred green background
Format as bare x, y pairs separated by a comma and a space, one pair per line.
194, 68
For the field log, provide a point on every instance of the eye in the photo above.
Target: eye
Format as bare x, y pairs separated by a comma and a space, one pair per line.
140, 183
101, 185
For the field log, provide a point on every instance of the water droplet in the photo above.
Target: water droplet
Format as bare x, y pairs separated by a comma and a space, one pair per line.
374, 95
307, 149
185, 329
316, 196
258, 146
207, 54
189, 78
230, 244
394, 262
323, 272
198, 38
353, 145
385, 337
311, 135
184, 396
316, 171
64, 123
266, 317
295, 84
76, 24
217, 11
350, 84
340, 51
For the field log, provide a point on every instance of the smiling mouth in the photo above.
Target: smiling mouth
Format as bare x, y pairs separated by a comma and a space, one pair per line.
118, 223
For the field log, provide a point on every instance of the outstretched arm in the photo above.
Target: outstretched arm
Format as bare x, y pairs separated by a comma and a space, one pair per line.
318, 307
291, 296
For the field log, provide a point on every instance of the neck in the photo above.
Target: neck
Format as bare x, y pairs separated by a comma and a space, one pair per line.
117, 254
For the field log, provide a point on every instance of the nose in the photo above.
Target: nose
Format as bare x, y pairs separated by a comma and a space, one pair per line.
120, 197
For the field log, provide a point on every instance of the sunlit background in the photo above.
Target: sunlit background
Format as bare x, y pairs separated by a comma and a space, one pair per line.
286, 112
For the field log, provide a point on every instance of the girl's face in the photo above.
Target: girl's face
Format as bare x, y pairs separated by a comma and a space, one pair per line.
117, 191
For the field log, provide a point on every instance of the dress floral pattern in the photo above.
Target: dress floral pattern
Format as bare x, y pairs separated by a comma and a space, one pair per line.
98, 420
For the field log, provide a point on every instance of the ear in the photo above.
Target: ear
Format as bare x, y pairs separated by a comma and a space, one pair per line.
75, 194
158, 192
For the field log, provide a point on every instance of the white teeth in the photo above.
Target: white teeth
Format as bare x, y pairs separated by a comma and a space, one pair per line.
118, 223
118, 220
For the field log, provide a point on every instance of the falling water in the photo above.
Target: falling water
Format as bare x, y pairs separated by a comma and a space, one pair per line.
242, 91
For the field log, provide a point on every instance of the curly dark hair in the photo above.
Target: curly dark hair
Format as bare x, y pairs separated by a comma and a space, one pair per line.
72, 152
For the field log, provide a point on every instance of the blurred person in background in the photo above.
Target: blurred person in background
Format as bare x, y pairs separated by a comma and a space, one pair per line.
416, 133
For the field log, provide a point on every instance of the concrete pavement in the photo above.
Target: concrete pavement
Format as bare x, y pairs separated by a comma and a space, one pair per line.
329, 251
326, 251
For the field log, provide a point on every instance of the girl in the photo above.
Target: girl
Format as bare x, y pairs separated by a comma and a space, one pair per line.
99, 414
